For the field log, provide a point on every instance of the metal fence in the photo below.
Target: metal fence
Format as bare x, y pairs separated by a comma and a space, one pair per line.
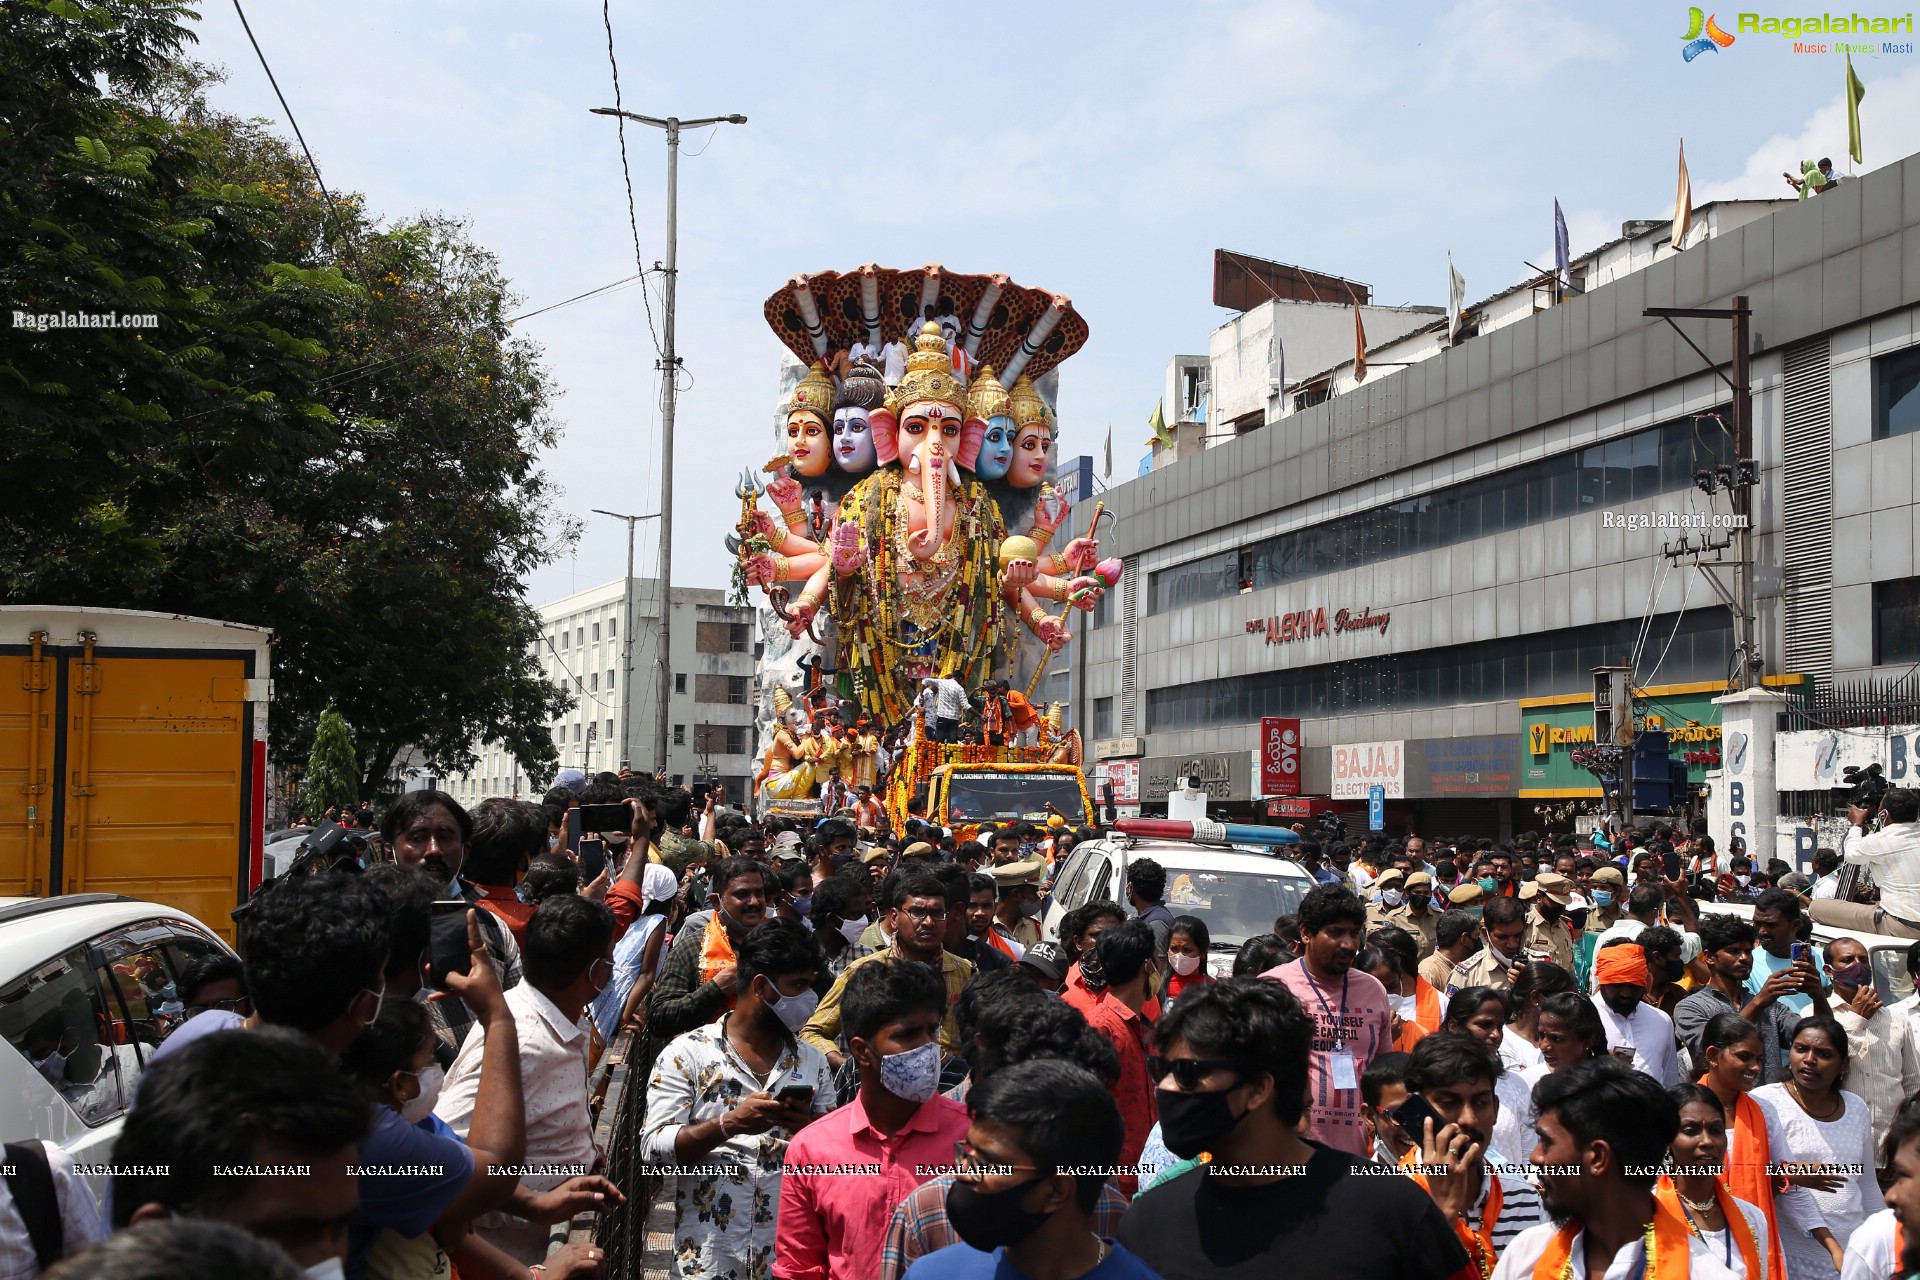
1857, 704
618, 1098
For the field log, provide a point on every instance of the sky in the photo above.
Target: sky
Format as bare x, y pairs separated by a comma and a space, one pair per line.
1100, 151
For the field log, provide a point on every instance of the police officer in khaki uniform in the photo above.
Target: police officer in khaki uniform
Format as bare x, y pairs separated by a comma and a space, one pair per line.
1548, 896
1610, 883
1416, 914
1389, 895
1503, 932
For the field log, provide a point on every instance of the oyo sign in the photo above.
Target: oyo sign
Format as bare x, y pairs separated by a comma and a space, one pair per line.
1279, 756
1358, 767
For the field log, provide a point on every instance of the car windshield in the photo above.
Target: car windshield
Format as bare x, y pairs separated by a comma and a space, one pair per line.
1234, 905
999, 797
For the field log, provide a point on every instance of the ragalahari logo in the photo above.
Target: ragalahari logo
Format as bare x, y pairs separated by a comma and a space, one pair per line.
1703, 35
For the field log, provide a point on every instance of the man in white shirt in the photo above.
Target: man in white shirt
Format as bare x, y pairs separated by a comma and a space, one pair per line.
1892, 855
949, 704
568, 958
1826, 872
1882, 1065
72, 1216
1636, 1031
1613, 1126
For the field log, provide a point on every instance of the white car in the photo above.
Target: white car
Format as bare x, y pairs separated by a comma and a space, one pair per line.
1236, 893
87, 989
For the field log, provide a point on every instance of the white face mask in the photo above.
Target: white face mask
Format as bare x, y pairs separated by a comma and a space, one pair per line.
913, 1076
431, 1079
1185, 966
1392, 897
852, 929
331, 1269
795, 1011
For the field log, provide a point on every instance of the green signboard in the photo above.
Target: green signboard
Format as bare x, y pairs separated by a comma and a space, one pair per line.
1551, 729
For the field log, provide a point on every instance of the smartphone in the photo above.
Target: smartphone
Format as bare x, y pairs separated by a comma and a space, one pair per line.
1800, 951
593, 857
1624, 1052
1670, 864
700, 790
573, 829
605, 817
447, 949
794, 1095
1413, 1114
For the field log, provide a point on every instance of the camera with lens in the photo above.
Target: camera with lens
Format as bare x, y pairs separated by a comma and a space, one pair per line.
1863, 786
1328, 827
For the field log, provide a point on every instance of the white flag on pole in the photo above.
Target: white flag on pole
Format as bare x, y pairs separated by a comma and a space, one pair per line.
1456, 300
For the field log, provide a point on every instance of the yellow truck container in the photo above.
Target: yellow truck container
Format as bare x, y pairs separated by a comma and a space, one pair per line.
133, 753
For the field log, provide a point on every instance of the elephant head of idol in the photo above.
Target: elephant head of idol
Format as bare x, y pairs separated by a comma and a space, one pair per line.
928, 408
810, 424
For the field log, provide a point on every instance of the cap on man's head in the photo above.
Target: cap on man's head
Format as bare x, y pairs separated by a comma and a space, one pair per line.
870, 853
1048, 959
1012, 874
918, 849
1555, 886
1465, 895
1419, 880
1610, 875
1386, 878
574, 780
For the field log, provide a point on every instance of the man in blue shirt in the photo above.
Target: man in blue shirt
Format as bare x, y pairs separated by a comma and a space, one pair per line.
1044, 1135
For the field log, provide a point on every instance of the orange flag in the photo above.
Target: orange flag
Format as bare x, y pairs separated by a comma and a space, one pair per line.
1359, 345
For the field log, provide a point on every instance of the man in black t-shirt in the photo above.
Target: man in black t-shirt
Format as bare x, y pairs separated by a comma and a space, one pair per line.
1233, 1084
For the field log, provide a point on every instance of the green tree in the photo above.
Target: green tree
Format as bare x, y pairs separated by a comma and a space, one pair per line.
332, 779
332, 432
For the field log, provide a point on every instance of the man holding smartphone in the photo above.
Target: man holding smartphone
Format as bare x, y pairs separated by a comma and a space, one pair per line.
724, 1100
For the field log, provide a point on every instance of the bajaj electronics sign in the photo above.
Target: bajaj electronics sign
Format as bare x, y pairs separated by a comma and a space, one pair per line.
1279, 756
1224, 775
1358, 767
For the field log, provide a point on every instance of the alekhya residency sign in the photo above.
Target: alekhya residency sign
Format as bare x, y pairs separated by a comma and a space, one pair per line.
1310, 624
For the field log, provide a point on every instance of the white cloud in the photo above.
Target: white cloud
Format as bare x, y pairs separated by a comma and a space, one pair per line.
1510, 43
1889, 131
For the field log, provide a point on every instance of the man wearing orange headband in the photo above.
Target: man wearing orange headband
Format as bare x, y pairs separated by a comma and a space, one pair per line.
1637, 1032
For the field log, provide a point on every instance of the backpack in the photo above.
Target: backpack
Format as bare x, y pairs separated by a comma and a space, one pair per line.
29, 1178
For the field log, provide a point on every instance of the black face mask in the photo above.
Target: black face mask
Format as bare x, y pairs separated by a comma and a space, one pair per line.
989, 1220
1191, 1123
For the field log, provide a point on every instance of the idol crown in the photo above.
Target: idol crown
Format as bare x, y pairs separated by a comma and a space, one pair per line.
814, 394
930, 374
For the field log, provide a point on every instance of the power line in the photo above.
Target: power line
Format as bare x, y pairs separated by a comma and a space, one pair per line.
332, 216
633, 218
578, 297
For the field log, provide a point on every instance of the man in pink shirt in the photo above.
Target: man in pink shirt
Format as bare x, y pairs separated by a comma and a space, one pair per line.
847, 1171
1350, 1012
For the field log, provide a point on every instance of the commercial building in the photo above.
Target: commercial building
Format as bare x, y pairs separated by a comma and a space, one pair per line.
582, 648
1423, 566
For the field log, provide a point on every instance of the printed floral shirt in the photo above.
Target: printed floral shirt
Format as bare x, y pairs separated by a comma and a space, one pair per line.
724, 1202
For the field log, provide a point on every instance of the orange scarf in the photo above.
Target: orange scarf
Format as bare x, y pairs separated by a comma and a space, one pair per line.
1666, 1241
716, 951
1426, 1009
1478, 1244
1749, 1159
1665, 1193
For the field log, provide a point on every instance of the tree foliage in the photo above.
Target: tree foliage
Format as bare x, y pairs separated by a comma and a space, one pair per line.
332, 777
331, 432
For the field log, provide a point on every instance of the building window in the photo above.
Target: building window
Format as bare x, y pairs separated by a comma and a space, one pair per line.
740, 638
1896, 393
1528, 666
596, 633
679, 735
679, 683
560, 736
1103, 717
737, 691
609, 679
1896, 621
736, 740
609, 728
613, 627
576, 733
563, 642
593, 682
1645, 464
579, 635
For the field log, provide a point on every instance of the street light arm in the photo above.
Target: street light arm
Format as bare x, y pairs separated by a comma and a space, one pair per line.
655, 121
658, 123
599, 511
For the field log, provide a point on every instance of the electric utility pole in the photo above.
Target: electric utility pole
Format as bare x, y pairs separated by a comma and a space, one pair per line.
670, 380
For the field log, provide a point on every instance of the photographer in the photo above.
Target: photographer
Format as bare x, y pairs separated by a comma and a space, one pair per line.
1892, 855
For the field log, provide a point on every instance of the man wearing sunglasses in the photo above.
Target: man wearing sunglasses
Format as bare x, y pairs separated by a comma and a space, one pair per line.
1233, 1075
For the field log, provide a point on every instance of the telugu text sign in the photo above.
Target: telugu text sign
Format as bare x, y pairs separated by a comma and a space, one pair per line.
1280, 758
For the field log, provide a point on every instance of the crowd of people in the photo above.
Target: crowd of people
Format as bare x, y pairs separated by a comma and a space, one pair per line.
862, 1061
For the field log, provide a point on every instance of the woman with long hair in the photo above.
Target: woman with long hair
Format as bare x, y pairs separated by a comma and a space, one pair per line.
1481, 1012
1568, 1030
1520, 1047
1732, 1058
1829, 1132
1733, 1230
